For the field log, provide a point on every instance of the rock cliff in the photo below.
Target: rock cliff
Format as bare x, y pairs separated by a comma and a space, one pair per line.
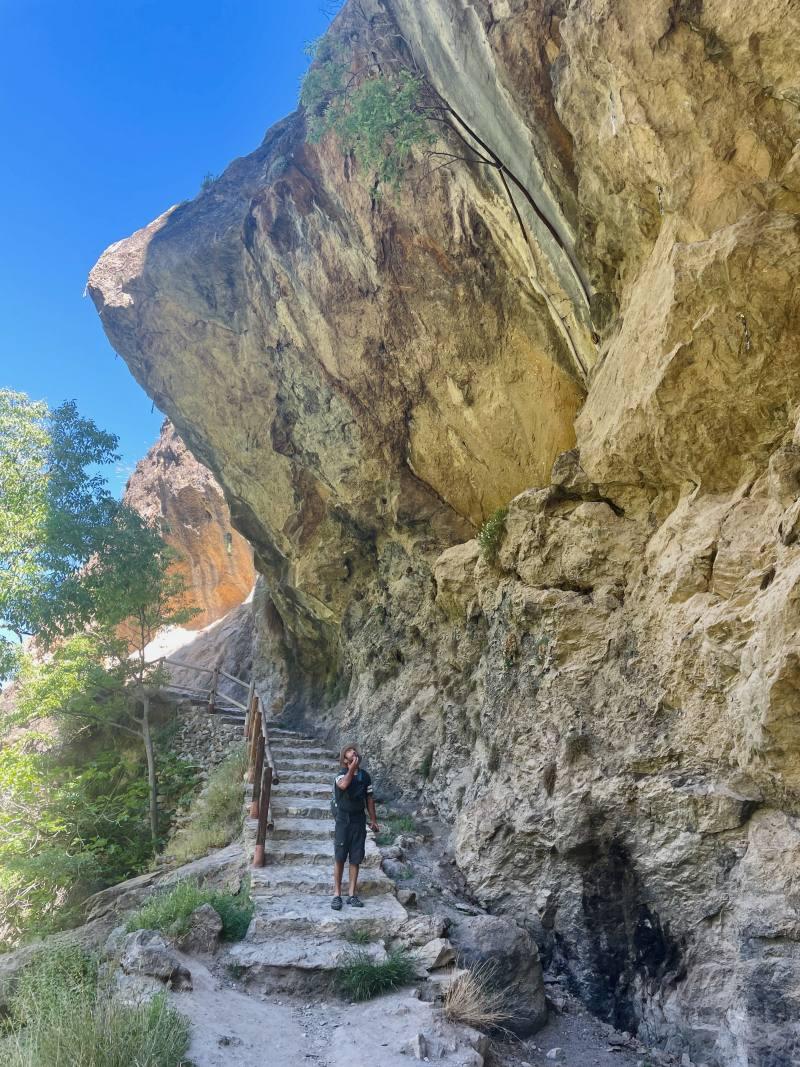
170, 487
608, 712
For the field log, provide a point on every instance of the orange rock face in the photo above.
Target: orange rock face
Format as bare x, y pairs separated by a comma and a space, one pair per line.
170, 486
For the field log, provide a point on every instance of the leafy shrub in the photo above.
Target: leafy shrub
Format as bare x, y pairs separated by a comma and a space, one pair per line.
473, 998
491, 534
361, 978
170, 909
208, 181
215, 818
72, 821
60, 1017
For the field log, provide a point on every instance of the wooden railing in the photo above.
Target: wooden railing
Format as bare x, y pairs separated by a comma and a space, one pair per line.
215, 700
261, 771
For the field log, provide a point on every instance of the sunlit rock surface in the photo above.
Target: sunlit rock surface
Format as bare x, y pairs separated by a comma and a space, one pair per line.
182, 497
610, 715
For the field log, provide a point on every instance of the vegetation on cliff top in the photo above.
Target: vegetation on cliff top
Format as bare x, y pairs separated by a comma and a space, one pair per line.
383, 110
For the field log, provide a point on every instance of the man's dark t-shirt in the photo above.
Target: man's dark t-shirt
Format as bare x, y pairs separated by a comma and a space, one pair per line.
352, 802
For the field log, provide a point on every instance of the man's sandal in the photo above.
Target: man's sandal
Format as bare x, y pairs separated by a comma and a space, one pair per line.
354, 902
336, 903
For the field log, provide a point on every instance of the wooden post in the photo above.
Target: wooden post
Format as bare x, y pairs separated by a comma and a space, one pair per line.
255, 804
255, 733
248, 716
263, 816
212, 696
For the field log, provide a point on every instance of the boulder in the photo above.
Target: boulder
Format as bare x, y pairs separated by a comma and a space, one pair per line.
420, 930
205, 930
145, 952
500, 941
135, 990
433, 955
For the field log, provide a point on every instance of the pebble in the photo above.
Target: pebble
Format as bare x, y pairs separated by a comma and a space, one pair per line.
553, 1054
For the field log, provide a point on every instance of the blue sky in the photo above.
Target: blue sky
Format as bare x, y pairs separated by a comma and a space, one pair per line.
111, 111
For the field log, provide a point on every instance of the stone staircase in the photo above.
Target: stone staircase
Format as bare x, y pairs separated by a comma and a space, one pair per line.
296, 940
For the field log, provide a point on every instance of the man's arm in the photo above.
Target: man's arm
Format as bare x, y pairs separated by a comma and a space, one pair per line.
344, 780
373, 818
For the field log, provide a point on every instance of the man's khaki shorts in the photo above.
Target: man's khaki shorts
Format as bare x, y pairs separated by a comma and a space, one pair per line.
350, 840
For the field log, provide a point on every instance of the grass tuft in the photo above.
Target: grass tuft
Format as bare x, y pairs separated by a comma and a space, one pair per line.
473, 998
358, 937
361, 978
215, 817
393, 826
60, 1017
171, 909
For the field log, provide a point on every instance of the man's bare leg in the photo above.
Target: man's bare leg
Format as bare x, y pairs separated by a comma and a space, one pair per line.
353, 879
338, 874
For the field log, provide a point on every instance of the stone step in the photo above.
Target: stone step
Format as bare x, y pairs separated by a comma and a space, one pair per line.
308, 807
381, 916
304, 752
289, 735
318, 777
315, 851
305, 764
304, 964
313, 878
294, 827
289, 788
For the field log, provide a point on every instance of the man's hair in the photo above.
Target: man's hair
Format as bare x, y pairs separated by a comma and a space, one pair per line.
347, 749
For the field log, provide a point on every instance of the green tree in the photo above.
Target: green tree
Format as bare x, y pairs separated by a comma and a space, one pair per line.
56, 513
77, 563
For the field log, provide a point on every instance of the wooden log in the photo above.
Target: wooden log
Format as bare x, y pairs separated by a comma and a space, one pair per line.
258, 773
187, 666
233, 678
263, 816
230, 700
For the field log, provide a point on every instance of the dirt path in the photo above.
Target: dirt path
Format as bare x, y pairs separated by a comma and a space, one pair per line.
229, 1026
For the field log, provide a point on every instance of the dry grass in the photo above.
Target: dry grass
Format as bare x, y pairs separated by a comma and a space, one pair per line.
475, 998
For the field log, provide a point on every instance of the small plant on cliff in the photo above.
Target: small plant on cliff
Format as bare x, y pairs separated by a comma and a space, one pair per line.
427, 763
380, 119
491, 534
361, 978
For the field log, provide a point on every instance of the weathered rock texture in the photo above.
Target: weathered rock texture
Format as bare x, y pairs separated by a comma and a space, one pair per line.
170, 487
610, 715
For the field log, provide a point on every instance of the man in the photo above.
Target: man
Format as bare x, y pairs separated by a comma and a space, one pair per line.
353, 794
